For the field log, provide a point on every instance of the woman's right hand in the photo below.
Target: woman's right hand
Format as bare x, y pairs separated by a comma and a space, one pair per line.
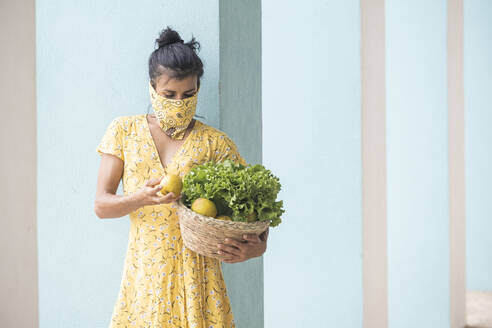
147, 194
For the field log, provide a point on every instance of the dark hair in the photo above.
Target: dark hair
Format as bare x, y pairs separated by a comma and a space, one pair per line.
175, 57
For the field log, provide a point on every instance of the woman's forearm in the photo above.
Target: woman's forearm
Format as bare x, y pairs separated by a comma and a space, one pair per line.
109, 205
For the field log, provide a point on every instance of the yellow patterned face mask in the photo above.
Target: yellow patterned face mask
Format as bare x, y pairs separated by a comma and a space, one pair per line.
174, 115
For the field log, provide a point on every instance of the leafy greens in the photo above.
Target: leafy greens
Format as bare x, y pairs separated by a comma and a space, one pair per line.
245, 193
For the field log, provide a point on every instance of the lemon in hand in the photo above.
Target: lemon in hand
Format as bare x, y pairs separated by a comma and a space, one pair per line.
171, 183
224, 217
205, 207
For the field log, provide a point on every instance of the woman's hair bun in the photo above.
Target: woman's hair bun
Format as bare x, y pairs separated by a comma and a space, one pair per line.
174, 57
168, 36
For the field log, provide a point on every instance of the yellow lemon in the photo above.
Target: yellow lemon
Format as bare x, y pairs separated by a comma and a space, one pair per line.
205, 207
171, 183
224, 217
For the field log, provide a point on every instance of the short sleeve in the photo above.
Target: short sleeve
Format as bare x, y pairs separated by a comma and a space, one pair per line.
112, 141
227, 149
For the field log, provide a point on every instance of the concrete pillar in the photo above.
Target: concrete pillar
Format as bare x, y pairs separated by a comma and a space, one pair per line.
240, 117
18, 171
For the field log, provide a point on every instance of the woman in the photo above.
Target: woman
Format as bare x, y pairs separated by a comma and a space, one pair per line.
165, 284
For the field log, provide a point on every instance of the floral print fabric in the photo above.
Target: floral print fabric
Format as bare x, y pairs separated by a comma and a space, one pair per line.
164, 284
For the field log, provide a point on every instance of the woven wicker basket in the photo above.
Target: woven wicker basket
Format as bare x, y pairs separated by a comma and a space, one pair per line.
201, 233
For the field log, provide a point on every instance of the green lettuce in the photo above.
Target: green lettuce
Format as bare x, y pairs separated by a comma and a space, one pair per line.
245, 193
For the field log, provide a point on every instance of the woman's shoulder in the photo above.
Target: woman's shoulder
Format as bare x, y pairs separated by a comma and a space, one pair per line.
129, 122
216, 138
129, 119
210, 131
221, 145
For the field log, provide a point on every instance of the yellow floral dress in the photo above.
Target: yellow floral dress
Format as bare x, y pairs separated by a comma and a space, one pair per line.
164, 284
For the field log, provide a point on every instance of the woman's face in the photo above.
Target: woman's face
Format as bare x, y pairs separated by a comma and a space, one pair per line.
176, 89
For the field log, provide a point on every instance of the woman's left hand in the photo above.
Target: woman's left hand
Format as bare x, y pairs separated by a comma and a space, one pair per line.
232, 250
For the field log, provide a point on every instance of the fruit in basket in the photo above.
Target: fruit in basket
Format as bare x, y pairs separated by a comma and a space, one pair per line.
205, 207
171, 183
224, 217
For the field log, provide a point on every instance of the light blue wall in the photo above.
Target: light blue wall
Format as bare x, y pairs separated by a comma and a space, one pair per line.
417, 164
91, 67
478, 142
312, 141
